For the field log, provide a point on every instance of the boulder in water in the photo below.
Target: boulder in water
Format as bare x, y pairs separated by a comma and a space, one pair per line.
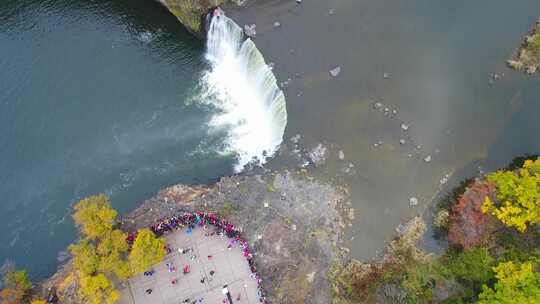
250, 31
335, 71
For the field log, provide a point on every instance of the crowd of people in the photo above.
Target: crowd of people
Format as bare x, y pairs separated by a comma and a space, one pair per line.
191, 220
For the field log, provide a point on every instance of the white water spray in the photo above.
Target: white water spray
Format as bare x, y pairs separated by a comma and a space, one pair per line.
245, 91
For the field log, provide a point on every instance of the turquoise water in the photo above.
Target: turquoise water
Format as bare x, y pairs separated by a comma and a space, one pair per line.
95, 96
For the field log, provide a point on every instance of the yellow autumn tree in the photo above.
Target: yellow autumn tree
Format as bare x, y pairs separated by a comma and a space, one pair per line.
38, 302
146, 251
85, 257
94, 216
516, 283
518, 196
112, 250
98, 289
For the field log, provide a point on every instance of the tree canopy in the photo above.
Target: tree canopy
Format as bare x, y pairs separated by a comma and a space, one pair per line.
518, 195
98, 289
101, 253
516, 283
147, 250
15, 286
85, 258
94, 216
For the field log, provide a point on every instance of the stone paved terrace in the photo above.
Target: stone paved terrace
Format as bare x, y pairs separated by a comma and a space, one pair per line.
230, 267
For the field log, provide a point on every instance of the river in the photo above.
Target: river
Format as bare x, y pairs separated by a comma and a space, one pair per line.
431, 64
95, 97
103, 96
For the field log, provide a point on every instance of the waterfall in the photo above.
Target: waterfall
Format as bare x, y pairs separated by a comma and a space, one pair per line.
245, 92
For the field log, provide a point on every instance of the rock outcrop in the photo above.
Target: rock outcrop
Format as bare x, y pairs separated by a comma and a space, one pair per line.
528, 56
293, 222
191, 13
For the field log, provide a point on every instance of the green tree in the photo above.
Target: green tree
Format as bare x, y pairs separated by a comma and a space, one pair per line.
85, 257
518, 195
95, 216
147, 250
98, 289
472, 266
516, 283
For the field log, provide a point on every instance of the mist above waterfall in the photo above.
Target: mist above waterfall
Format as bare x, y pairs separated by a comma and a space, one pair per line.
244, 90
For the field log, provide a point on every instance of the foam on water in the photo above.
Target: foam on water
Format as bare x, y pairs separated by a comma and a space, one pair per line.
244, 90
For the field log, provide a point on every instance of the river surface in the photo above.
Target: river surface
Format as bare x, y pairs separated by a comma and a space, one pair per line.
438, 56
98, 96
95, 97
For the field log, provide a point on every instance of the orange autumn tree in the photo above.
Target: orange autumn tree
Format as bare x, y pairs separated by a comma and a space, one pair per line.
16, 285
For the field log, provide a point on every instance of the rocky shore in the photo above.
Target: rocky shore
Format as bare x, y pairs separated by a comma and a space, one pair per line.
528, 57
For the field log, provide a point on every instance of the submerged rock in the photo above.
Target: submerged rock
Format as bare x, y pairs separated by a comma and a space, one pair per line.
404, 127
277, 24
296, 139
341, 155
413, 201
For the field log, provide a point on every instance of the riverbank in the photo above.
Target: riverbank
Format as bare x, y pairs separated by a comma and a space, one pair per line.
528, 56
489, 227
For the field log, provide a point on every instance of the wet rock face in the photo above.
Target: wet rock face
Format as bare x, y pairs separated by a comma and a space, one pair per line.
191, 12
